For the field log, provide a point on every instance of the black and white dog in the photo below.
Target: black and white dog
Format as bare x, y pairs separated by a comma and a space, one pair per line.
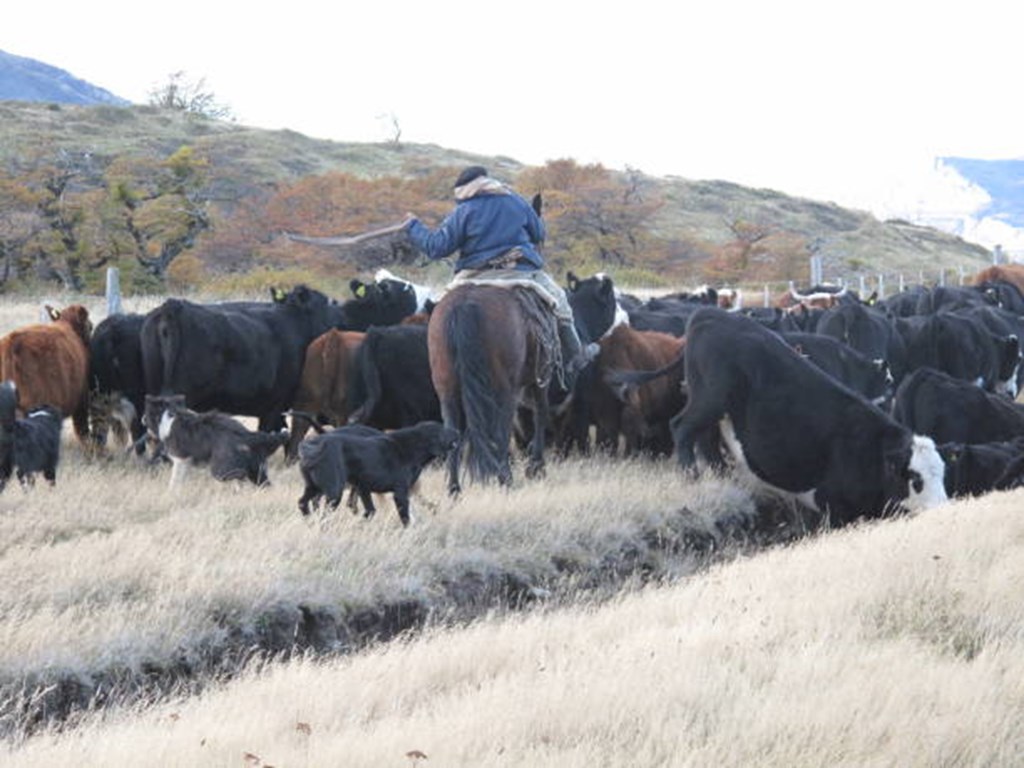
371, 461
28, 445
232, 451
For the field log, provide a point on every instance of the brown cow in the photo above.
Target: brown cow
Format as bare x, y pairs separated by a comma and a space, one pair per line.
323, 388
1009, 273
49, 364
642, 417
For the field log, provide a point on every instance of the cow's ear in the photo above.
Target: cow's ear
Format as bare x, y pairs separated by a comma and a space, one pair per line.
537, 203
277, 294
607, 286
571, 280
358, 288
53, 313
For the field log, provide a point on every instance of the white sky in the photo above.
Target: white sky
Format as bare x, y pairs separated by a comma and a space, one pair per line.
849, 104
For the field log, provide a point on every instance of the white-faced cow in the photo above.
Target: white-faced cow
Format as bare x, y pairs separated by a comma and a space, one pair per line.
795, 427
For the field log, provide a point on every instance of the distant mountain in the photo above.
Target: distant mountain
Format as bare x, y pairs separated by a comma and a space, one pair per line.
24, 79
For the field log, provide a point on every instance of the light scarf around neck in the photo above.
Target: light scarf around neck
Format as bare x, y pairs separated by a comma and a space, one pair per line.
481, 185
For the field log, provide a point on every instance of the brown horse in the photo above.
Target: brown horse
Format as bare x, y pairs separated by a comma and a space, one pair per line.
492, 349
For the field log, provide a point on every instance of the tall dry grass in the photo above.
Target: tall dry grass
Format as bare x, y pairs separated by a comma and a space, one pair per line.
893, 644
111, 570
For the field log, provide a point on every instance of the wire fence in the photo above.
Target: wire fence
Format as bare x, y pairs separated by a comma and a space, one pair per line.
881, 284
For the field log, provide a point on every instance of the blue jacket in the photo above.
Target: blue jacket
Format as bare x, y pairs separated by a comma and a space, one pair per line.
481, 228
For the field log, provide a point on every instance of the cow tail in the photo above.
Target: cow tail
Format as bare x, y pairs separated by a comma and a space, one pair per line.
332, 357
365, 389
161, 349
486, 437
9, 360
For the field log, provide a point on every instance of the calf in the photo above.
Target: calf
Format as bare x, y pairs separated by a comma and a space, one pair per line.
386, 462
795, 427
49, 364
27, 445
232, 451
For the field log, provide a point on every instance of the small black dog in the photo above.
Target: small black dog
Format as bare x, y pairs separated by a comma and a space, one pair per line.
232, 451
371, 461
28, 445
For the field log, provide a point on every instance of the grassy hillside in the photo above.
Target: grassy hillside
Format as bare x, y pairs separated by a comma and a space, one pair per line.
852, 243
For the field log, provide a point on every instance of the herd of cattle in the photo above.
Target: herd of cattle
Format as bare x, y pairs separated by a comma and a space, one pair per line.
853, 406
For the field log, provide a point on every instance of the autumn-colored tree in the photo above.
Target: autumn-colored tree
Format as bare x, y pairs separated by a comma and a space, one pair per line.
43, 212
340, 204
757, 252
162, 207
592, 214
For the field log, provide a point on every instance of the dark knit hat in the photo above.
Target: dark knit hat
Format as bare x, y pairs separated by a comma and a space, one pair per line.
470, 173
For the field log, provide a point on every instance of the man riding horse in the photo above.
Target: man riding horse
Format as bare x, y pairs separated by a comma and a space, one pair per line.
497, 234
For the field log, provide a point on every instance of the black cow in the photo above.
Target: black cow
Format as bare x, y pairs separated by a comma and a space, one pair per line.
30, 444
964, 348
387, 462
673, 322
212, 439
390, 385
597, 312
115, 372
795, 427
242, 358
904, 303
951, 410
595, 306
1002, 323
869, 331
973, 470
942, 298
1003, 295
869, 378
386, 301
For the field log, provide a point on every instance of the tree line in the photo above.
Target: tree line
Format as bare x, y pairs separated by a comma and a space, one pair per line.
167, 225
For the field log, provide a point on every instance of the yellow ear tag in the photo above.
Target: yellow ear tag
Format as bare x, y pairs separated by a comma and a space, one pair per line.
361, 291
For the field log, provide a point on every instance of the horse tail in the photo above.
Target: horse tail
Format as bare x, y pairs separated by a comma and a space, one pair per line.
486, 432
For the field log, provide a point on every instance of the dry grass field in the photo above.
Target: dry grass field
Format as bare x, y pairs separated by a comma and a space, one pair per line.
214, 626
898, 643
